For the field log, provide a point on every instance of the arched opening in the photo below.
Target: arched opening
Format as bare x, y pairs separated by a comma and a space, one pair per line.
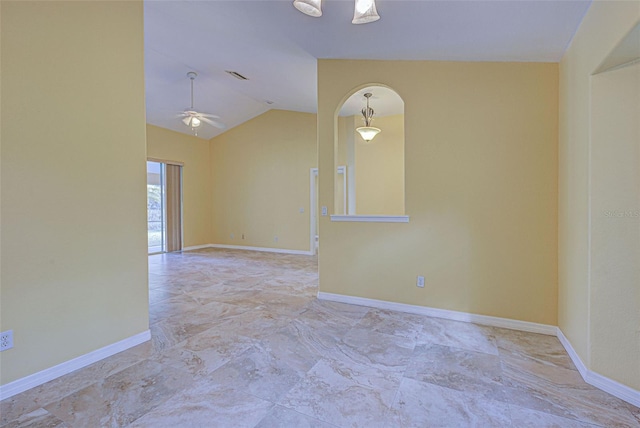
369, 174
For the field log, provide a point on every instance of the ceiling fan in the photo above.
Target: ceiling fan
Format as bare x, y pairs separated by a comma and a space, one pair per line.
193, 118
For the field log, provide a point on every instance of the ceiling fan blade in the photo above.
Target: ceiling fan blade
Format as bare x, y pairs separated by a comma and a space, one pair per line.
215, 123
186, 120
212, 116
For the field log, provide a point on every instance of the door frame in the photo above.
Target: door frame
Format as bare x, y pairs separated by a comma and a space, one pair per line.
313, 210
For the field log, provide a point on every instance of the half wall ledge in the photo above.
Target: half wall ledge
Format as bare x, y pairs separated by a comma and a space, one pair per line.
372, 218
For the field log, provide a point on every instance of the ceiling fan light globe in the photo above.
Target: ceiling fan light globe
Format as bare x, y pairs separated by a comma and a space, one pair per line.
364, 12
195, 122
309, 7
368, 133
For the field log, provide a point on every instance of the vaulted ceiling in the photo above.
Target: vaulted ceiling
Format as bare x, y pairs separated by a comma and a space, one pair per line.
276, 47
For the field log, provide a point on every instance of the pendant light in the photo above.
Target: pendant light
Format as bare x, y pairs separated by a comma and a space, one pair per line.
365, 12
309, 7
368, 132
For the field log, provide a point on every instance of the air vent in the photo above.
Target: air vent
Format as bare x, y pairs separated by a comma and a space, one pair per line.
236, 75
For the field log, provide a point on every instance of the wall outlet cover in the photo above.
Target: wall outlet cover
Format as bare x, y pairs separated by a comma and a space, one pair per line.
6, 340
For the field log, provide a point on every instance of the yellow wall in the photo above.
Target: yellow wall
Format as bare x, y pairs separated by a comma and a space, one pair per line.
481, 189
163, 144
74, 262
380, 169
345, 137
598, 282
260, 180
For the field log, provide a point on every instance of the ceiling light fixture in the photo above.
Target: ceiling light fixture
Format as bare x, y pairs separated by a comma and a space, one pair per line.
192, 120
364, 11
309, 7
368, 132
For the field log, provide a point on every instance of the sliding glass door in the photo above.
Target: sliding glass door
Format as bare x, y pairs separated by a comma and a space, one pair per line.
164, 206
156, 213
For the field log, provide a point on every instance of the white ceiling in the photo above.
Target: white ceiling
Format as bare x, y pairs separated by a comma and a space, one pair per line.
276, 47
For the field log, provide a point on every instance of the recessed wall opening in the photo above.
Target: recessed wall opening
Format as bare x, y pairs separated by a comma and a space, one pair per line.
369, 174
614, 211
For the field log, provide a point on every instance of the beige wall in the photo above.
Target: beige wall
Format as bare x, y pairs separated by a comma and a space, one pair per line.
380, 169
260, 180
481, 189
598, 277
74, 263
345, 137
164, 144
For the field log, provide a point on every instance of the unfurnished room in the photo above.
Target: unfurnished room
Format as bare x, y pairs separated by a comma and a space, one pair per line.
320, 213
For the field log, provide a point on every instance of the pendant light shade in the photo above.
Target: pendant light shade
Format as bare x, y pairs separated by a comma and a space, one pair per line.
365, 12
309, 7
368, 132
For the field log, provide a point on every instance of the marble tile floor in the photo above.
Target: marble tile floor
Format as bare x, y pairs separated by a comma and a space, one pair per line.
240, 340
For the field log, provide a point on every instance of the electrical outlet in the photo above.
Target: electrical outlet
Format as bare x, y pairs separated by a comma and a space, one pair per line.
275, 239
420, 282
231, 236
6, 340
324, 211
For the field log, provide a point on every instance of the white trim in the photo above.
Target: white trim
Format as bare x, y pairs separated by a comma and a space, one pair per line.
168, 162
610, 386
17, 386
372, 218
607, 385
263, 249
248, 248
442, 313
313, 210
343, 170
577, 361
196, 247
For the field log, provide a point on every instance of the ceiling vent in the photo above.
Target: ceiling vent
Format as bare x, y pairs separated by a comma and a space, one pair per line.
236, 75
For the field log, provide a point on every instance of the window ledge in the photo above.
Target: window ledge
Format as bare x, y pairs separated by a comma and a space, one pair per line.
372, 218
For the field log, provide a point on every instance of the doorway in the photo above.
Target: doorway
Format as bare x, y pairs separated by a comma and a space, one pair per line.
164, 207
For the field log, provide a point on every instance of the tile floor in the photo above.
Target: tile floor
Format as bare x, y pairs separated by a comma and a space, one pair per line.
239, 340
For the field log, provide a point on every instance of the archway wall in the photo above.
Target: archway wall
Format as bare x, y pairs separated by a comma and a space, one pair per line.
480, 189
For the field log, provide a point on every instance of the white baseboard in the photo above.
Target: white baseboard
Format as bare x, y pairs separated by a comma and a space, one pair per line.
196, 247
442, 313
17, 386
263, 249
577, 361
248, 248
610, 386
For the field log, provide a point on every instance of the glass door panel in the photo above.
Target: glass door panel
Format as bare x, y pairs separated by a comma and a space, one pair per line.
156, 214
